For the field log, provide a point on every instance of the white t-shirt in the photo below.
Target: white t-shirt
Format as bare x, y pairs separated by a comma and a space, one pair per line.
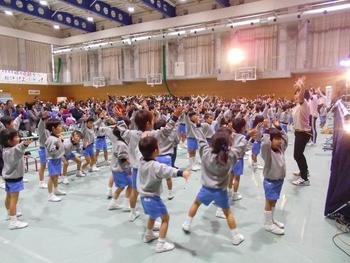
301, 117
313, 102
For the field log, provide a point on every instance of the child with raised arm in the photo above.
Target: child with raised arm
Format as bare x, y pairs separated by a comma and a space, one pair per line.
273, 146
55, 152
217, 161
72, 145
13, 171
149, 185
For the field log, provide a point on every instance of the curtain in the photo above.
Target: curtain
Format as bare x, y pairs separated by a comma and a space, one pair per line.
150, 58
79, 67
8, 53
258, 44
329, 40
199, 55
112, 64
38, 57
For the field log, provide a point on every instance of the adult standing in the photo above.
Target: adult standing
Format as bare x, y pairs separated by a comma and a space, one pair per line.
301, 116
314, 102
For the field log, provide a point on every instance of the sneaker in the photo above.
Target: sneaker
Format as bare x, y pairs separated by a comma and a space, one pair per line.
94, 169
80, 174
279, 224
16, 224
274, 229
156, 226
42, 185
134, 216
186, 226
236, 196
196, 167
25, 180
297, 174
220, 213
59, 192
54, 198
164, 247
301, 182
65, 180
150, 237
237, 239
113, 205
107, 163
170, 195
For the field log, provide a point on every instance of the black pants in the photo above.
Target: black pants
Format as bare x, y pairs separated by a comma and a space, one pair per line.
313, 128
173, 156
301, 139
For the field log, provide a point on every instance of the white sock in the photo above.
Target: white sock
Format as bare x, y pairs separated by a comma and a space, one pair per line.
149, 232
268, 217
234, 232
161, 240
189, 219
109, 189
133, 210
192, 160
13, 218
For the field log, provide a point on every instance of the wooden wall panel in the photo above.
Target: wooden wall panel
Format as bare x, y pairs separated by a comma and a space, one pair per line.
228, 89
20, 92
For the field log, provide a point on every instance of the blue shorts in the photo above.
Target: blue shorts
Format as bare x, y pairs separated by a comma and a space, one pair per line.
284, 127
207, 195
121, 179
54, 166
182, 128
101, 144
153, 206
42, 155
273, 188
14, 187
69, 156
134, 178
192, 144
165, 159
238, 168
89, 150
256, 147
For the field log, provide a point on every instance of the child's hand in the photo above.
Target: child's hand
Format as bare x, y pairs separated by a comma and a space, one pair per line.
253, 133
26, 142
276, 123
266, 124
178, 111
186, 174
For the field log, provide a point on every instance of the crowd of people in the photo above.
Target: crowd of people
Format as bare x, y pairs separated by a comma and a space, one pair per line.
146, 134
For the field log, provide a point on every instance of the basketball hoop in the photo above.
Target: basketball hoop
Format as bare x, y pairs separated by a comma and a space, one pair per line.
154, 79
246, 73
98, 82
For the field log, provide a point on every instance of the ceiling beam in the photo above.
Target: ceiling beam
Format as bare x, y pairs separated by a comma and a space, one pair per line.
162, 7
190, 19
32, 8
102, 9
224, 3
16, 33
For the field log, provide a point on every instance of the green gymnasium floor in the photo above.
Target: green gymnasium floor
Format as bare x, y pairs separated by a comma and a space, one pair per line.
81, 229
